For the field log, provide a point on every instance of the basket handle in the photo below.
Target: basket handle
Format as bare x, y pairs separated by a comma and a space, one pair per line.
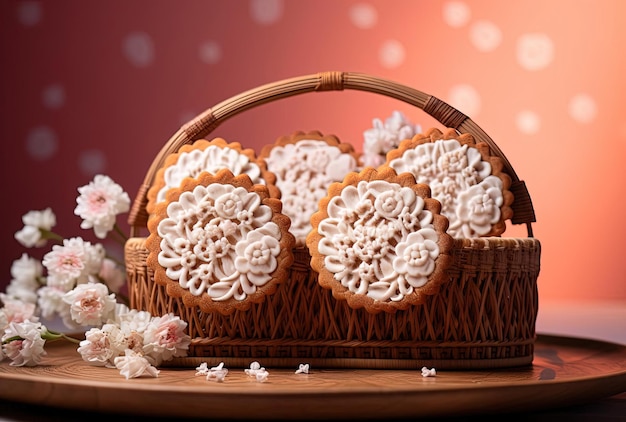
207, 121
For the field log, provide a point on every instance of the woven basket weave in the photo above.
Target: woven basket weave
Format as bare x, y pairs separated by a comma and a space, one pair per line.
483, 317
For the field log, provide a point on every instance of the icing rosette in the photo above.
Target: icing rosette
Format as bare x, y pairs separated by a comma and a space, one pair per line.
463, 176
220, 242
305, 164
207, 156
379, 242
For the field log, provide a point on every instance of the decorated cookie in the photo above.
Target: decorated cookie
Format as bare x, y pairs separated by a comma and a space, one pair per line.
379, 242
305, 164
210, 156
220, 242
463, 176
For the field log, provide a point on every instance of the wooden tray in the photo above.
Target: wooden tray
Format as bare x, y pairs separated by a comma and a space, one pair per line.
565, 371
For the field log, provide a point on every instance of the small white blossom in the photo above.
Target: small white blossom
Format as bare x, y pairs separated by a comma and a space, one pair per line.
26, 273
99, 204
303, 369
203, 369
218, 372
133, 365
90, 303
428, 372
50, 301
254, 368
35, 223
23, 344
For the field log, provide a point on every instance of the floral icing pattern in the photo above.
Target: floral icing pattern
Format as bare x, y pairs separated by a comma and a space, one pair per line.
304, 170
211, 159
379, 239
471, 196
220, 240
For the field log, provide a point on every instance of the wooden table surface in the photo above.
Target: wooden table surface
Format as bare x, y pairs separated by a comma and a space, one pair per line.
582, 381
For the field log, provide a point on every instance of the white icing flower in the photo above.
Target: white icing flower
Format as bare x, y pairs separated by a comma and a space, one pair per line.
99, 203
415, 259
470, 196
219, 240
370, 224
211, 159
304, 171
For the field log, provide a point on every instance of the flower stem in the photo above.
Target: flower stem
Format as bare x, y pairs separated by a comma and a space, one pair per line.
53, 336
119, 231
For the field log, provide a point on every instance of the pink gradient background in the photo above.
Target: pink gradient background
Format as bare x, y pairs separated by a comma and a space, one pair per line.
120, 110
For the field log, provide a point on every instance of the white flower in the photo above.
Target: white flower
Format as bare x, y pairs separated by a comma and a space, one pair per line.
428, 372
102, 345
131, 319
24, 345
383, 137
26, 273
164, 338
99, 203
90, 303
303, 369
73, 262
50, 301
35, 222
133, 365
18, 311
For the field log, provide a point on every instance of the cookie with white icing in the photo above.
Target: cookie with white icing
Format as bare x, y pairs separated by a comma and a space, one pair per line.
220, 242
463, 175
379, 242
305, 164
210, 156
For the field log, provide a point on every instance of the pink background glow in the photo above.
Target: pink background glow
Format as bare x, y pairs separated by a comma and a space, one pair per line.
93, 87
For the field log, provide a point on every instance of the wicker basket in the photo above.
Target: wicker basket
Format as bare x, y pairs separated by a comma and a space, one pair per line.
483, 317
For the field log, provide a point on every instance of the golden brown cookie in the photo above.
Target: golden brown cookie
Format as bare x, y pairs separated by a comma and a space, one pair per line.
219, 242
379, 242
305, 164
463, 175
210, 156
